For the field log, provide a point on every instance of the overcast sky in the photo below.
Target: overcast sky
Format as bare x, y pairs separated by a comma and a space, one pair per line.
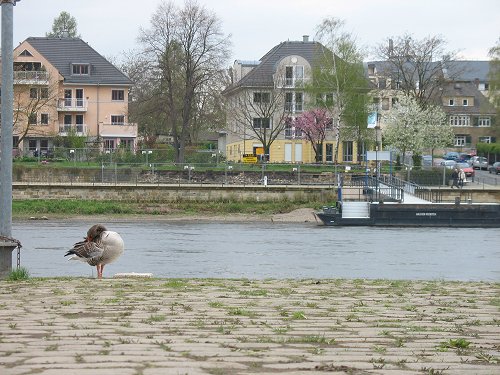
112, 26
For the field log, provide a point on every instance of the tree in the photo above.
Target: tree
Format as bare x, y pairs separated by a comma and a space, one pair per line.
32, 109
417, 67
64, 26
185, 51
339, 78
261, 115
314, 125
494, 75
413, 128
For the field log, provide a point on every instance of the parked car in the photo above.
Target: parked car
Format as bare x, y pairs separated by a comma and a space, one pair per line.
451, 155
479, 162
468, 170
495, 168
464, 157
448, 164
426, 160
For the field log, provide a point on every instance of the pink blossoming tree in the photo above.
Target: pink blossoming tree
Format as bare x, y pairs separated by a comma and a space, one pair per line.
314, 125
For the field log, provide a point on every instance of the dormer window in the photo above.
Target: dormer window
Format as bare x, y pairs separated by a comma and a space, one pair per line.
465, 102
80, 69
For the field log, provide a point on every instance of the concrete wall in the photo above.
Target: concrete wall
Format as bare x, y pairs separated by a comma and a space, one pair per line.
166, 193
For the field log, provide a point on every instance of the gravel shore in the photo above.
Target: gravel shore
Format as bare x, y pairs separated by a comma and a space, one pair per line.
221, 326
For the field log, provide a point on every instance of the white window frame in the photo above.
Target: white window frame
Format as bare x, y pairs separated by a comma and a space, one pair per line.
42, 115
259, 120
115, 119
460, 140
484, 122
465, 102
485, 139
80, 69
451, 102
459, 120
120, 95
297, 75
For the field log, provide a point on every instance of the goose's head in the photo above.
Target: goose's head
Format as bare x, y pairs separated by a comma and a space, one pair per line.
95, 232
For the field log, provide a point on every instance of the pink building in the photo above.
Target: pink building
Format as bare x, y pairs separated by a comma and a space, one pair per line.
63, 87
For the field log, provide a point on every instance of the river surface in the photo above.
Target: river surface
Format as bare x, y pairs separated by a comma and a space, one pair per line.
268, 250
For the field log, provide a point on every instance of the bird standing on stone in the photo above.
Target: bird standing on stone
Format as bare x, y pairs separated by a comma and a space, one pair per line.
99, 248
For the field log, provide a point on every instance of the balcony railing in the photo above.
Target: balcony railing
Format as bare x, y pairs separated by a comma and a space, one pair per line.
72, 104
76, 129
127, 129
27, 77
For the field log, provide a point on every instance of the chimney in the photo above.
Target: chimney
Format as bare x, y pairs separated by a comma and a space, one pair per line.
391, 47
305, 38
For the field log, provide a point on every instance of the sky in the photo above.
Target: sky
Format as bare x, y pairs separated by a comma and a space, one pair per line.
111, 27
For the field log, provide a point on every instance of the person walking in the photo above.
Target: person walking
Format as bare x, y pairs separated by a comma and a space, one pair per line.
454, 178
461, 178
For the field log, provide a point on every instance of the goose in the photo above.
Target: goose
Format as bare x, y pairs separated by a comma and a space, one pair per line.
99, 248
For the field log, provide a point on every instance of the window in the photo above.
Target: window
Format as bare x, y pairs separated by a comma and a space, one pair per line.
32, 145
294, 75
79, 123
118, 95
109, 144
117, 119
32, 118
451, 102
485, 139
127, 143
33, 93
394, 101
289, 101
484, 121
261, 123
460, 120
44, 93
26, 53
44, 119
298, 101
465, 102
261, 97
329, 152
460, 140
347, 150
80, 69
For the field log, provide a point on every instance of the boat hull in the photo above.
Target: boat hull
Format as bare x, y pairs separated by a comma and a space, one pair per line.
419, 215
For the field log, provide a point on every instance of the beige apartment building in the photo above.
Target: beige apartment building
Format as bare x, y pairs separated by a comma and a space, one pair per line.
63, 87
263, 93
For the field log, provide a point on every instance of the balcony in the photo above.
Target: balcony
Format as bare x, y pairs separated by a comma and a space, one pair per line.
118, 130
80, 130
31, 77
72, 105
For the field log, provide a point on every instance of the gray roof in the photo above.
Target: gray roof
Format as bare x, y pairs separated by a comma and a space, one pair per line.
62, 52
262, 74
466, 89
470, 70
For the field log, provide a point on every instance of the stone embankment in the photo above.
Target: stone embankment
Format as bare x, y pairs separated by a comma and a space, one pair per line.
219, 326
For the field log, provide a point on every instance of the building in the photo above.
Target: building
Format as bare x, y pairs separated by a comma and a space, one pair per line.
462, 94
263, 95
63, 87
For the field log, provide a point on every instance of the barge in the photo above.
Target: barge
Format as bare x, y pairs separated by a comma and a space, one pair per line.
483, 215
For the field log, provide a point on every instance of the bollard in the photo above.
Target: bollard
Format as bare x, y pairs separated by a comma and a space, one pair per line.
6, 248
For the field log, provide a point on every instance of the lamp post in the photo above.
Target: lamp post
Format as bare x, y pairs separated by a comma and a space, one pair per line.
6, 134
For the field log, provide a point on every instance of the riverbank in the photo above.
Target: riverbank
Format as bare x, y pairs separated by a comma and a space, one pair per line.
222, 326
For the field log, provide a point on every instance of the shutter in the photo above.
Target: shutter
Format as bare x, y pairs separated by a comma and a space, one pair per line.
493, 139
468, 140
475, 121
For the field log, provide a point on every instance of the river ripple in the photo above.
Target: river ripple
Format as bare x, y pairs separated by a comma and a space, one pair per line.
269, 250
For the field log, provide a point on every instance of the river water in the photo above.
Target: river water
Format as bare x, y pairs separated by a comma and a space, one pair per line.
269, 250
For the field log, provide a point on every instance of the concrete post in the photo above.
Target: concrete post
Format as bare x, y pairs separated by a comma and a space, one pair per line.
6, 136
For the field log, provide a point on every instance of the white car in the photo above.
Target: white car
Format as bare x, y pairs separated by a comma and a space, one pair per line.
449, 164
479, 162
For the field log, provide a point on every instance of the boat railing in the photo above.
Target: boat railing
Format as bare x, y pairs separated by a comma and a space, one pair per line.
374, 189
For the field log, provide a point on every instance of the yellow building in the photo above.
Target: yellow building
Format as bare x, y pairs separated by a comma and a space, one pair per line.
263, 94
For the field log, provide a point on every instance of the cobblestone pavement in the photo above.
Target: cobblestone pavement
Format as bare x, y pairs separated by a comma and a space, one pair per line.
220, 326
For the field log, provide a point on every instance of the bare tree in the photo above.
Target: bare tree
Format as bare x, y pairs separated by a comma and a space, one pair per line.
259, 114
417, 67
33, 107
186, 50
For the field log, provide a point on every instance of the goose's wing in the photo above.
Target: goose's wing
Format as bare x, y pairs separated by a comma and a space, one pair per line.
86, 250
